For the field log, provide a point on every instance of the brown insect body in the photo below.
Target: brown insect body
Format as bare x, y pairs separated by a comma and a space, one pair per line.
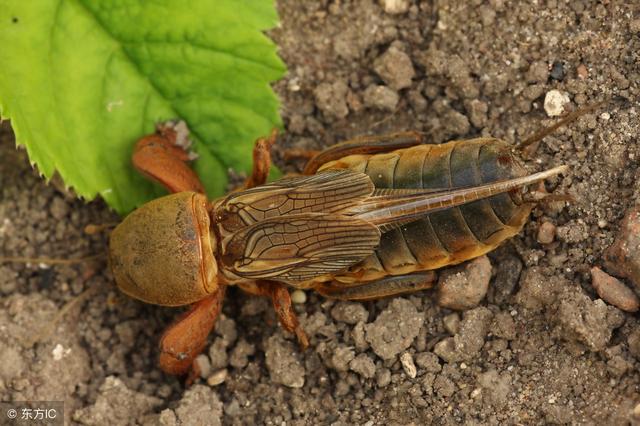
364, 217
369, 218
448, 236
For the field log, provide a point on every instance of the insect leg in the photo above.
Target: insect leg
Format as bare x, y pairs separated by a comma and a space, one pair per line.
384, 287
261, 161
187, 336
364, 145
163, 157
296, 153
281, 303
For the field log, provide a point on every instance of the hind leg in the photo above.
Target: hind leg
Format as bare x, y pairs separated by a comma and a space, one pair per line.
364, 145
384, 287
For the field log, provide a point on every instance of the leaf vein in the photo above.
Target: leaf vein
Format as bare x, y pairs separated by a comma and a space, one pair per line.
192, 43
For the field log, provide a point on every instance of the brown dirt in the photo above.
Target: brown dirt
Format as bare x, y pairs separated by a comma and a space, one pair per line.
541, 348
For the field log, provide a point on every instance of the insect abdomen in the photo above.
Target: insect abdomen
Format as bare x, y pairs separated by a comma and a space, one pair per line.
452, 235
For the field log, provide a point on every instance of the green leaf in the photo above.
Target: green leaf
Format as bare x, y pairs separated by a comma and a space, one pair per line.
82, 80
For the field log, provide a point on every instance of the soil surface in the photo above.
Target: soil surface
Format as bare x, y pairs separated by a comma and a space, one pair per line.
540, 348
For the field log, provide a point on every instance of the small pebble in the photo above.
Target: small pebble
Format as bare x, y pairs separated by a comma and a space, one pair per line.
636, 412
218, 377
199, 405
582, 72
204, 365
240, 354
226, 328
282, 362
218, 354
349, 312
383, 377
331, 99
341, 358
298, 297
428, 361
555, 102
380, 97
395, 68
358, 335
444, 386
537, 290
586, 321
533, 92
451, 323
58, 352
115, 403
394, 7
467, 344
463, 287
487, 15
503, 326
394, 329
546, 233
363, 365
497, 387
613, 291
408, 365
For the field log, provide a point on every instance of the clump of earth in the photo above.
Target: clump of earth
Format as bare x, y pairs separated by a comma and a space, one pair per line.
537, 345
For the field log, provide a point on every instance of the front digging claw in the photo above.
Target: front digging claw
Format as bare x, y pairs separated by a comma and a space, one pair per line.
186, 338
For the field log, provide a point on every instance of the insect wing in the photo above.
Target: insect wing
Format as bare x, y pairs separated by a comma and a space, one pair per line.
299, 247
327, 192
392, 208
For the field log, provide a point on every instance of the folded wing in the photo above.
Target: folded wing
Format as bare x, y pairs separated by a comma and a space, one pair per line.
302, 228
327, 192
299, 247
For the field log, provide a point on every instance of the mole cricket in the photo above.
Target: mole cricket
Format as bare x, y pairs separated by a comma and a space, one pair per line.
368, 218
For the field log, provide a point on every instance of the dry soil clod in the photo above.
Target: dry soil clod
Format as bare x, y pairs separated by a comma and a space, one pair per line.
546, 233
465, 286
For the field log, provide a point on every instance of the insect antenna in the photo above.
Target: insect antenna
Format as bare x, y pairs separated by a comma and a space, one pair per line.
90, 229
568, 118
50, 260
542, 198
77, 301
